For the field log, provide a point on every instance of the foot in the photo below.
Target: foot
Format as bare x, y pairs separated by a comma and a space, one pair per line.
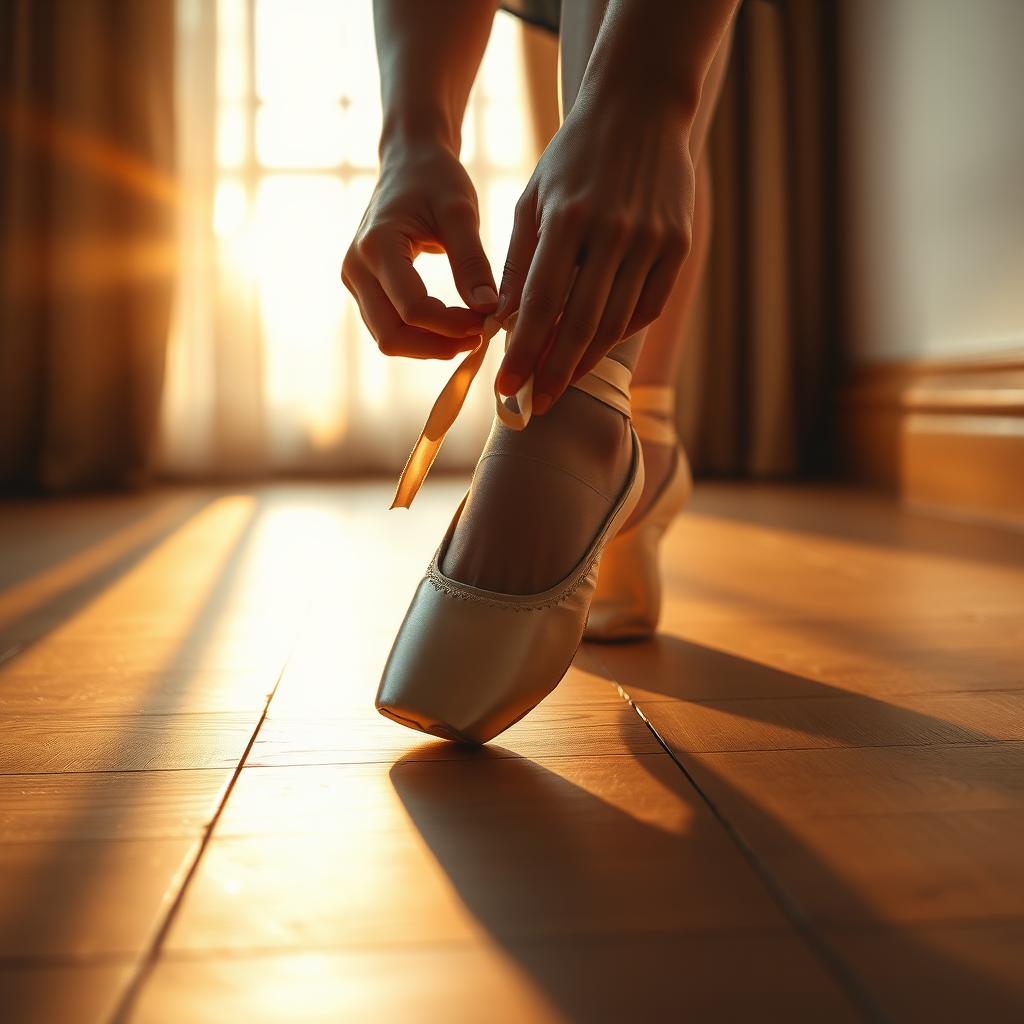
659, 462
539, 497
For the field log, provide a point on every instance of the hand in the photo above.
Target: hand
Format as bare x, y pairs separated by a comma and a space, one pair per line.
423, 202
600, 235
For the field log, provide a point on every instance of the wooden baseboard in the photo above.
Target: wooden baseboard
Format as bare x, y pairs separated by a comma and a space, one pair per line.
947, 436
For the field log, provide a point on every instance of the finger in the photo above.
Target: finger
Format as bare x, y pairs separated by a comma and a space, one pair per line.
654, 295
544, 294
521, 248
578, 324
394, 337
625, 291
388, 255
460, 236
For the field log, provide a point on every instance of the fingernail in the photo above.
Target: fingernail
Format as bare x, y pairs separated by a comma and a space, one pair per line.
499, 313
541, 404
484, 293
510, 384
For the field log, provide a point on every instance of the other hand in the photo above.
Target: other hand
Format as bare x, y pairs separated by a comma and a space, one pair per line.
423, 202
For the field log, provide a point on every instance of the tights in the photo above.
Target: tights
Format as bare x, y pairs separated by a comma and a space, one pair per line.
540, 495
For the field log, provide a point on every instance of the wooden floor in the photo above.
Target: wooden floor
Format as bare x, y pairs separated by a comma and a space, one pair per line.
804, 801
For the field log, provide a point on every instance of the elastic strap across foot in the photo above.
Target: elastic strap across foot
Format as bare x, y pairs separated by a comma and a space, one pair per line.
654, 413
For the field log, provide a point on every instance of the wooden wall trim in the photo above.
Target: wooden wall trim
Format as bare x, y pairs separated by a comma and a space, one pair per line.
947, 435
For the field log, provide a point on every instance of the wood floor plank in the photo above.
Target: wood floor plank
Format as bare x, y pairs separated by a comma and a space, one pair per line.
84, 899
980, 979
532, 849
875, 656
840, 720
108, 805
854, 709
121, 743
365, 735
718, 978
871, 780
61, 696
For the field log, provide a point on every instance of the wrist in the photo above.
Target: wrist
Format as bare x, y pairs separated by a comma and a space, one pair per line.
656, 56
418, 133
655, 87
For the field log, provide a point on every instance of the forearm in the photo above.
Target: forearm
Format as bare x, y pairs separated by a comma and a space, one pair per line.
429, 53
657, 53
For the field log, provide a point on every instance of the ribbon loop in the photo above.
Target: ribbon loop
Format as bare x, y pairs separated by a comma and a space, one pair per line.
608, 382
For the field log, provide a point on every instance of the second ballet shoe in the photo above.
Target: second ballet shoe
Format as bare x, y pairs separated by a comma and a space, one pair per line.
627, 603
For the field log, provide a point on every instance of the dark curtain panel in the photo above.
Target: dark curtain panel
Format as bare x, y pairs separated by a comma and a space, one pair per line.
761, 361
87, 222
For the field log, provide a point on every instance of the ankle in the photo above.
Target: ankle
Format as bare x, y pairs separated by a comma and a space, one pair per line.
539, 497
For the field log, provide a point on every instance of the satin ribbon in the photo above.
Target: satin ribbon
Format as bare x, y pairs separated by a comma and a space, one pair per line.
608, 382
448, 406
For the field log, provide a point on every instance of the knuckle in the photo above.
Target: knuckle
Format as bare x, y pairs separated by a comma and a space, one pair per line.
677, 242
513, 271
470, 263
570, 216
542, 303
649, 235
368, 244
617, 227
610, 330
577, 326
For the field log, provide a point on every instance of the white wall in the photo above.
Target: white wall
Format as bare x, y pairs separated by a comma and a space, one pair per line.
934, 177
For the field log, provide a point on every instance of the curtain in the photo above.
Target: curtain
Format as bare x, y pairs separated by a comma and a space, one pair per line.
761, 360
270, 368
87, 213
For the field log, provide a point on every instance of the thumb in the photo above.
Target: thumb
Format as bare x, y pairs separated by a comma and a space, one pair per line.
460, 236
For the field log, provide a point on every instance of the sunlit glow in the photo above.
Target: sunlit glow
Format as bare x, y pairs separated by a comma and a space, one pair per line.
232, 135
230, 208
300, 135
297, 50
299, 91
299, 233
232, 49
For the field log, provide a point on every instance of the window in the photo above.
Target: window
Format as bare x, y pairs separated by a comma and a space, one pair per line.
295, 125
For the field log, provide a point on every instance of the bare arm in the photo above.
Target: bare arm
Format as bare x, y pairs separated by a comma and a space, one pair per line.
429, 54
612, 195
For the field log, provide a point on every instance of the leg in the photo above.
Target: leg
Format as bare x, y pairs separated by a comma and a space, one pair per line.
539, 496
659, 358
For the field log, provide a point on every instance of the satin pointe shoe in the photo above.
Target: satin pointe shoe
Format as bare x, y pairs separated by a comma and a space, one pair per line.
468, 663
627, 603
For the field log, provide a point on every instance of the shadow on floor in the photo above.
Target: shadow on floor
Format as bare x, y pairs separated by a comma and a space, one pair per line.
613, 919
912, 980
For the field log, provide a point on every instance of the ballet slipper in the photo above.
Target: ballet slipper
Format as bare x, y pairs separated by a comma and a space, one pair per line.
467, 663
627, 603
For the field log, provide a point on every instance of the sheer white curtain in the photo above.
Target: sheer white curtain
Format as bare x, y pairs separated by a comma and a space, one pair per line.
269, 365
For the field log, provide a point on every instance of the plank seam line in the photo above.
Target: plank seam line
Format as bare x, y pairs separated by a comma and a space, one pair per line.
851, 986
126, 1004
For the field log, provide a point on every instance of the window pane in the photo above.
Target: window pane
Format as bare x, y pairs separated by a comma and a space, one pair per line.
232, 49
298, 49
232, 135
300, 227
230, 208
300, 135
